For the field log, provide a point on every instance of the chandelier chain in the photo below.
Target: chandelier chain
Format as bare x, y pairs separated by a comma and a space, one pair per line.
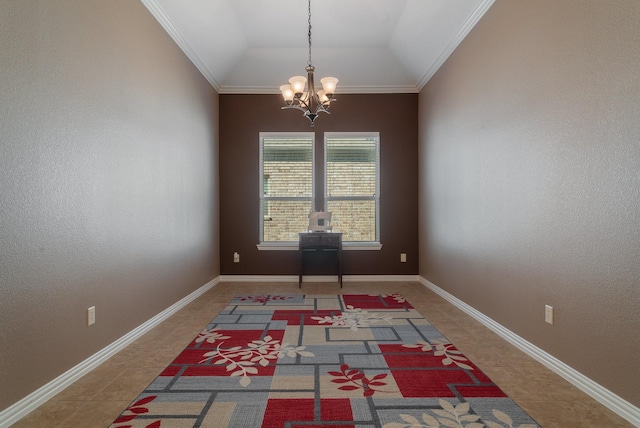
309, 32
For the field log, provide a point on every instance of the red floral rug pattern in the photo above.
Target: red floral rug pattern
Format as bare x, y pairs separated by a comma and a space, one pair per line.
322, 361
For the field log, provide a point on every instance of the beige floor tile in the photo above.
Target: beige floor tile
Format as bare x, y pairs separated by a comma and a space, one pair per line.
95, 414
129, 384
50, 414
561, 414
90, 385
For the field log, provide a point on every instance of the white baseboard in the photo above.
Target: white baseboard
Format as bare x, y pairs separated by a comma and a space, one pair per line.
607, 398
318, 278
381, 278
40, 396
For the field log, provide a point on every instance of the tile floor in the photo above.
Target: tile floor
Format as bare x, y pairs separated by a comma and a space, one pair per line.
98, 398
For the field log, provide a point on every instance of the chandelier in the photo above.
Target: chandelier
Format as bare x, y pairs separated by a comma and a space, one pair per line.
306, 99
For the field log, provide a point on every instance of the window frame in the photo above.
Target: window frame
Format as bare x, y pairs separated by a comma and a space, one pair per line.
282, 245
293, 245
360, 245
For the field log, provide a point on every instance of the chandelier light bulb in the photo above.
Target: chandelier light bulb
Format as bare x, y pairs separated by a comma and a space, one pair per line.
329, 85
322, 96
287, 93
298, 83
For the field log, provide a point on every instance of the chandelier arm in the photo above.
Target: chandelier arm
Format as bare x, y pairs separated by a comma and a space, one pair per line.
304, 105
321, 109
297, 107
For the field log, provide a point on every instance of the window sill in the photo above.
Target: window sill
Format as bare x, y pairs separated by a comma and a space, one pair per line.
293, 246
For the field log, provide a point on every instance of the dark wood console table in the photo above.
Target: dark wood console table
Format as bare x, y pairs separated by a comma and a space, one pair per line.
326, 242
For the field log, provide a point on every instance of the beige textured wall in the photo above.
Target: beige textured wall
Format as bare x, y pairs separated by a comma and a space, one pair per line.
530, 179
108, 181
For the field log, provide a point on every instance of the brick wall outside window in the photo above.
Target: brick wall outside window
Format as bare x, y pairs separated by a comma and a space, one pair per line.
283, 220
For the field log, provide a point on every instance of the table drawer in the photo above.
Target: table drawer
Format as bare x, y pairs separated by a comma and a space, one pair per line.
320, 239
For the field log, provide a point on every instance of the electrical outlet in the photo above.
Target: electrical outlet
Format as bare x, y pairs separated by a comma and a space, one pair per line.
236, 257
548, 314
91, 315
403, 257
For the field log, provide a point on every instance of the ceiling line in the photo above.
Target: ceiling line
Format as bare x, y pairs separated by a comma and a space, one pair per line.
182, 43
156, 10
455, 41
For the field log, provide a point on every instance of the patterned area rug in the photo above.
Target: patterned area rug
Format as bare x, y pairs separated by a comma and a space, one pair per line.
322, 361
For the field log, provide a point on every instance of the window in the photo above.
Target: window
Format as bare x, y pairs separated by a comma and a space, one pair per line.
352, 185
287, 185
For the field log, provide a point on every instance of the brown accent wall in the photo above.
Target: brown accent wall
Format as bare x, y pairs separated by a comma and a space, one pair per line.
243, 117
108, 181
530, 184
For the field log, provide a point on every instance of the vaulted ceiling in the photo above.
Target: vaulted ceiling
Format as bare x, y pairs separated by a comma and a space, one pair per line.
372, 46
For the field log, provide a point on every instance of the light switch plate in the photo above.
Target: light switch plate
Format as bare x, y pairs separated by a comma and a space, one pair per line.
548, 314
91, 315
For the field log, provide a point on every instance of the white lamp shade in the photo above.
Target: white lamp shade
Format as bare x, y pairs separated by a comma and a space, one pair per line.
322, 96
329, 85
298, 83
287, 92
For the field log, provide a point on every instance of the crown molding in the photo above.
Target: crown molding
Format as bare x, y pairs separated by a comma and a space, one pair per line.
482, 8
388, 89
182, 43
158, 13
